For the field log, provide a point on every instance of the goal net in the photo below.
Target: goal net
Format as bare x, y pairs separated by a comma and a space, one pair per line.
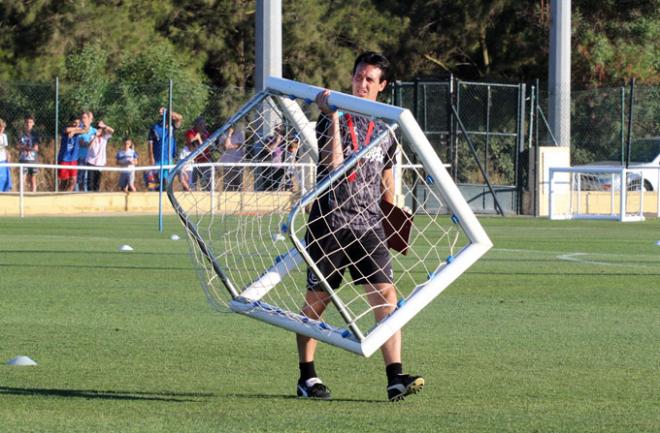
613, 193
254, 185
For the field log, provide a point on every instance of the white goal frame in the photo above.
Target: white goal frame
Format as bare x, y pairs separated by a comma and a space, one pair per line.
569, 196
247, 300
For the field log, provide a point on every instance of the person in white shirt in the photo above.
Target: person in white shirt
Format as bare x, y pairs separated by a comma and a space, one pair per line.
96, 155
185, 176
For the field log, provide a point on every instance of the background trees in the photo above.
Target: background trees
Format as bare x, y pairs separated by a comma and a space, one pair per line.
117, 56
474, 39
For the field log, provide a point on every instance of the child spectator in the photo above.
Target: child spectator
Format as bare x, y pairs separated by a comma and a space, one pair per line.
185, 176
127, 157
28, 151
233, 153
68, 155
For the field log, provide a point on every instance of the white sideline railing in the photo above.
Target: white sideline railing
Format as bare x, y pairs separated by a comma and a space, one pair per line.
307, 175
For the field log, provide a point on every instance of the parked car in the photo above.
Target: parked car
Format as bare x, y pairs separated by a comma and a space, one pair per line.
644, 156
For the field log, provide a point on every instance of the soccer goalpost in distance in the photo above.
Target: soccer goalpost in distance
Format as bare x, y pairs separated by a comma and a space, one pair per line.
248, 238
613, 193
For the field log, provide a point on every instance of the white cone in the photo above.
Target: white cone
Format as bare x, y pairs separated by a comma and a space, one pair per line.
126, 248
21, 361
175, 237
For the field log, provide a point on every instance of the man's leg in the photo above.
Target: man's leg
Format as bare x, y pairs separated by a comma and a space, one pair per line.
309, 385
399, 385
315, 304
384, 294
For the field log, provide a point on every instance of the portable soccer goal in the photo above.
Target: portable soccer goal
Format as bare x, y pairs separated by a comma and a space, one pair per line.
614, 193
248, 212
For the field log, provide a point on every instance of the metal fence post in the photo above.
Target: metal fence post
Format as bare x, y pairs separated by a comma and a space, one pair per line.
57, 126
630, 119
623, 122
520, 132
21, 192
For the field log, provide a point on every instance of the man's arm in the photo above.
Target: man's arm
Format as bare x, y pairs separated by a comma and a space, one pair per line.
176, 119
331, 153
107, 129
387, 185
150, 152
73, 130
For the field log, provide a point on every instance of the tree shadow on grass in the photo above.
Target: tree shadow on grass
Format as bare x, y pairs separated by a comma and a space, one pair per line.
177, 397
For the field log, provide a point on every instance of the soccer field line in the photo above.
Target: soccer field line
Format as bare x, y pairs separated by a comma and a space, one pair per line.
583, 257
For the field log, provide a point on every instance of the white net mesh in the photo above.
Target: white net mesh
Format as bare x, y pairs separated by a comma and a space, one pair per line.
258, 192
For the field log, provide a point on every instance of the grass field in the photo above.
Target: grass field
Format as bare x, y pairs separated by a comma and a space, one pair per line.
557, 329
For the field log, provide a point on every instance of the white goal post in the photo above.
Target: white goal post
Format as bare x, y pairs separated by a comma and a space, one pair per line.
593, 192
249, 242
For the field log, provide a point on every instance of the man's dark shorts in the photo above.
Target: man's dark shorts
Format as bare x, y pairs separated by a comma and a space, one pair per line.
364, 253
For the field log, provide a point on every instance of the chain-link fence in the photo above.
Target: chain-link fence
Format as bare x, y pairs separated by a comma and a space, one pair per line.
603, 120
488, 117
493, 117
129, 109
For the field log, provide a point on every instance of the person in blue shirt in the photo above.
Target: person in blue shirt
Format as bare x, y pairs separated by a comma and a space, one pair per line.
84, 139
158, 141
68, 155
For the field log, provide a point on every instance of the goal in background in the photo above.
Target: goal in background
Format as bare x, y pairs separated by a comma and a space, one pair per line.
246, 219
614, 193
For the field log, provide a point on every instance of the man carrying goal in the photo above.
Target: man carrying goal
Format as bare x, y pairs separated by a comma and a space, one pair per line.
345, 228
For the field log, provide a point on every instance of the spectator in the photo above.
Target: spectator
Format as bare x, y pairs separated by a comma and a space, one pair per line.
28, 151
158, 141
186, 173
68, 155
234, 152
5, 173
292, 174
84, 140
97, 154
195, 136
127, 157
271, 152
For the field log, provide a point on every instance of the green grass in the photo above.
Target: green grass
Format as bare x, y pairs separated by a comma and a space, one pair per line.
557, 329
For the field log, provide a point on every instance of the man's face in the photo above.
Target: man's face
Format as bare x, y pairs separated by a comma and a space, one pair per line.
367, 81
86, 119
29, 124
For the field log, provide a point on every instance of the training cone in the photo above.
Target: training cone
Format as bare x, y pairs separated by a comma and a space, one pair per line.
126, 248
21, 361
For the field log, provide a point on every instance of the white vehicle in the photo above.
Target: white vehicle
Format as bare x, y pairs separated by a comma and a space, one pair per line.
645, 156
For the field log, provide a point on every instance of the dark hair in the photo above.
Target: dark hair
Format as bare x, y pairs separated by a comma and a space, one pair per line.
375, 59
28, 116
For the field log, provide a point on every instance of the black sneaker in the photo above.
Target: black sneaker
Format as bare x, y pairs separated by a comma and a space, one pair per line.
313, 388
403, 385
